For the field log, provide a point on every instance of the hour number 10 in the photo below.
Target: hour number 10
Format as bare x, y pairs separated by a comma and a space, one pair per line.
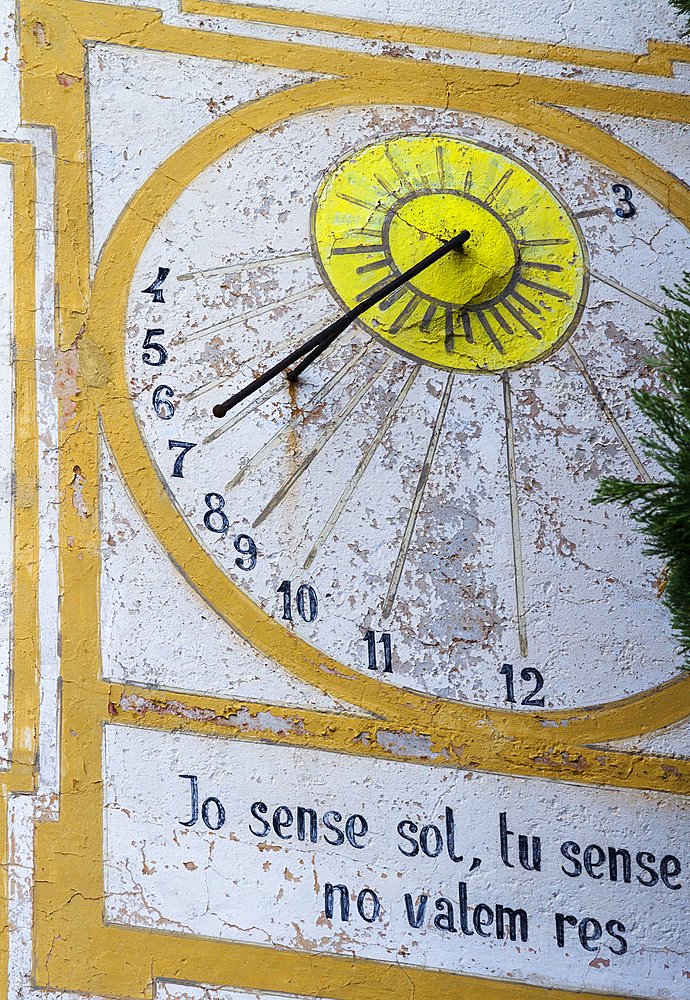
306, 601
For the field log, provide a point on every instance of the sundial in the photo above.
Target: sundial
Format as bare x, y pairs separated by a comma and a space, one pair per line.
328, 679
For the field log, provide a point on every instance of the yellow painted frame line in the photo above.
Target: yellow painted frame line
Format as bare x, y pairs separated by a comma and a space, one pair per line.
24, 688
74, 948
658, 61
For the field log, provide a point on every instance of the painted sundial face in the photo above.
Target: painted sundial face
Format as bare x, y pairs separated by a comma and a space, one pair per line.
417, 506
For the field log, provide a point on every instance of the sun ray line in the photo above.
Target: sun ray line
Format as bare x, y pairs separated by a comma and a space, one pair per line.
449, 341
498, 187
543, 243
428, 317
359, 202
525, 302
540, 265
248, 314
467, 186
628, 291
402, 177
587, 213
209, 272
423, 177
386, 186
546, 289
521, 319
332, 428
608, 413
515, 214
372, 289
364, 248
440, 167
398, 323
418, 497
213, 383
267, 449
391, 299
490, 331
366, 232
374, 265
361, 468
503, 322
515, 517
467, 327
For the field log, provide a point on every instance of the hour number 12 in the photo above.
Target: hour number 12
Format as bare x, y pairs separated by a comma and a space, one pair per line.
527, 674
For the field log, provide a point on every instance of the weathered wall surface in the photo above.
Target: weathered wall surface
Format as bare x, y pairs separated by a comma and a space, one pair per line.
349, 691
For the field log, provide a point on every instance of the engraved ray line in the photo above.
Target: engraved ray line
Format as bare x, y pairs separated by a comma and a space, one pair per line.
256, 402
542, 267
373, 265
627, 291
515, 517
489, 331
361, 468
521, 320
440, 167
423, 177
502, 321
376, 233
526, 303
450, 331
498, 187
546, 289
270, 446
418, 497
608, 413
428, 316
385, 185
224, 376
467, 186
542, 243
359, 202
398, 323
209, 272
364, 248
182, 338
402, 177
333, 426
515, 214
586, 213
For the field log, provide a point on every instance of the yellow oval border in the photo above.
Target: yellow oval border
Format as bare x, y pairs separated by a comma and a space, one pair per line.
103, 357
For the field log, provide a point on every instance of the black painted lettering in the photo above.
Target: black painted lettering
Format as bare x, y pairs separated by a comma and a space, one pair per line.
431, 852
462, 894
218, 810
353, 834
612, 927
329, 893
445, 919
645, 866
561, 920
450, 835
591, 864
504, 834
375, 905
567, 850
669, 868
282, 819
256, 808
614, 855
194, 808
415, 917
523, 853
481, 909
330, 818
513, 916
313, 824
587, 936
410, 840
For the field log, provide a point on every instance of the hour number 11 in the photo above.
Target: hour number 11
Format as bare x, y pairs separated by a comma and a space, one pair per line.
385, 641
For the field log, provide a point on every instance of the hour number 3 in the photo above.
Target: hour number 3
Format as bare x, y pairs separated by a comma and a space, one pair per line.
626, 209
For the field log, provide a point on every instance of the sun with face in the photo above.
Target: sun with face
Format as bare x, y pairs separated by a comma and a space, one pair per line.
512, 295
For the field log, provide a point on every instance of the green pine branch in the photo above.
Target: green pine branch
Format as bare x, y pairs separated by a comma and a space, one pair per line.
684, 7
662, 509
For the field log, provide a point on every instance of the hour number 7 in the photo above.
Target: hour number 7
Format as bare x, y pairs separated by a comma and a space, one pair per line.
185, 446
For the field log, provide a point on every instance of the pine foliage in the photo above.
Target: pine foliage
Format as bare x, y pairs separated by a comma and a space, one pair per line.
662, 509
683, 6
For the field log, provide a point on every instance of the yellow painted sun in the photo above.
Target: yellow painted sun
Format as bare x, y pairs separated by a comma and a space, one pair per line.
510, 297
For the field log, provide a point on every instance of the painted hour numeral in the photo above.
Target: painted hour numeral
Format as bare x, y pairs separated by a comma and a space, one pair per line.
246, 546
186, 447
156, 286
527, 674
385, 642
160, 355
306, 601
626, 209
215, 518
162, 405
